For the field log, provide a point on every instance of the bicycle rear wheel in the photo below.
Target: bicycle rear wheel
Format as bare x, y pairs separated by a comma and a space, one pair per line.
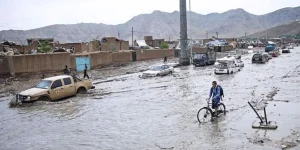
222, 109
204, 115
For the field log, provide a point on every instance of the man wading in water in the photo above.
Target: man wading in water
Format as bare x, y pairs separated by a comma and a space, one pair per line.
85, 72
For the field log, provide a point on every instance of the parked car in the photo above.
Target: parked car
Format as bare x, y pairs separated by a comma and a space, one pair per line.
159, 70
226, 68
286, 51
55, 88
239, 63
226, 65
273, 53
259, 58
267, 56
291, 47
203, 59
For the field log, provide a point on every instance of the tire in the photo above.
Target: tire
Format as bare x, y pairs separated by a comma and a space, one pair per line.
44, 98
231, 72
170, 72
81, 90
239, 70
207, 115
228, 72
222, 109
158, 75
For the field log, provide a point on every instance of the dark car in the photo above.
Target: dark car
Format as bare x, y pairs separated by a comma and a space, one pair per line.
259, 58
286, 51
203, 59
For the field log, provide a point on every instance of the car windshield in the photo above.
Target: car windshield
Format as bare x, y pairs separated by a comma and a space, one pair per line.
44, 84
257, 56
198, 56
223, 66
155, 68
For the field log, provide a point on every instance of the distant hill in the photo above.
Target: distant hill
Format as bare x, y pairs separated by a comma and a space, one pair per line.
292, 29
233, 23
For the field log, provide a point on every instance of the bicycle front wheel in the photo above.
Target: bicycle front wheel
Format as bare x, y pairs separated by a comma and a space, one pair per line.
204, 115
222, 109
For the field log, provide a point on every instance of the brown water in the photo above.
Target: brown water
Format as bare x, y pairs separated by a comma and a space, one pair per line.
128, 112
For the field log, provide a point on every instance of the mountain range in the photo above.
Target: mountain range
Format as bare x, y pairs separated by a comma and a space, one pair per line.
232, 23
287, 29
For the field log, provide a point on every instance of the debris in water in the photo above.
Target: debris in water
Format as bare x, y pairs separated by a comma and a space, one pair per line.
283, 146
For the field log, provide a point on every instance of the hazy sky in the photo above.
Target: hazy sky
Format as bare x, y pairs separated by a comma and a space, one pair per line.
28, 14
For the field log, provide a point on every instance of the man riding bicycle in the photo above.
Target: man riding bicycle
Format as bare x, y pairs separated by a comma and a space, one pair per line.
215, 93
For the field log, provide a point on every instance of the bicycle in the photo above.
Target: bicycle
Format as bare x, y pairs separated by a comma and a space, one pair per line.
208, 114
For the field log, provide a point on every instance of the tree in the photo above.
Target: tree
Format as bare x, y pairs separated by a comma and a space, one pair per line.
164, 46
44, 47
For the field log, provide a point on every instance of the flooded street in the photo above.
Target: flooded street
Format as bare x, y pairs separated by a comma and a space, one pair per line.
128, 112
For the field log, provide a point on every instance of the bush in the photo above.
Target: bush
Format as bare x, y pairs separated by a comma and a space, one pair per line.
164, 46
44, 47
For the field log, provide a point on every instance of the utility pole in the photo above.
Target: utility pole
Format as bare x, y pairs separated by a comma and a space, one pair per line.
258, 33
245, 36
132, 36
184, 59
206, 35
191, 39
217, 33
267, 34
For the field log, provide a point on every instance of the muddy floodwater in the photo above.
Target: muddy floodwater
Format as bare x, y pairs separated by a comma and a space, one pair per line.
128, 112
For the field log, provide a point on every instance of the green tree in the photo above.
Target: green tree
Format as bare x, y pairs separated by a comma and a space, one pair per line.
44, 47
164, 46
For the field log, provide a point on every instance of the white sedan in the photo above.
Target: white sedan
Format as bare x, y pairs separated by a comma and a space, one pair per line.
239, 63
159, 70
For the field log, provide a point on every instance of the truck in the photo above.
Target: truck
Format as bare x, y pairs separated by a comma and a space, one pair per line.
203, 59
271, 46
55, 88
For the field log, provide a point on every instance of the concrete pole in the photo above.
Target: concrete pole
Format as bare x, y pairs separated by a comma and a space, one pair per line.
132, 37
184, 59
191, 39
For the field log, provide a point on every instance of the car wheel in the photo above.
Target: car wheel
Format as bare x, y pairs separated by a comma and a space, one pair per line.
170, 72
44, 98
81, 90
158, 75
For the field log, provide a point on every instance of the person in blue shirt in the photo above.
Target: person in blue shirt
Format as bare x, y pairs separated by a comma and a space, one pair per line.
215, 93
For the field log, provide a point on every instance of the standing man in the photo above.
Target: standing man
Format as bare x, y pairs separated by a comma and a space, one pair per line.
85, 72
66, 70
165, 59
215, 93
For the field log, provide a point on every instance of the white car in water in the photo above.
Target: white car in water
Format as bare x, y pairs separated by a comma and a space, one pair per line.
158, 70
227, 65
226, 68
239, 63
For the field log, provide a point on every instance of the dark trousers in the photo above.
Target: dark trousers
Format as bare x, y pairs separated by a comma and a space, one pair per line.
86, 75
